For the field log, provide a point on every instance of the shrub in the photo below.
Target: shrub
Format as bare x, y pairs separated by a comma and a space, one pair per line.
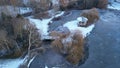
40, 6
8, 45
57, 45
64, 3
102, 4
92, 15
42, 15
76, 53
84, 4
57, 34
14, 37
71, 47
5, 17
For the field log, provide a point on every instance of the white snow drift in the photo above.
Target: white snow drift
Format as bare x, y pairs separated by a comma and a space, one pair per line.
11, 63
42, 25
114, 5
73, 25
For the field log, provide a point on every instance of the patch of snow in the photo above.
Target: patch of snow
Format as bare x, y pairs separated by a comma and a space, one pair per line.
54, 13
55, 67
31, 61
11, 63
60, 14
83, 20
42, 25
55, 2
73, 25
46, 66
24, 10
114, 5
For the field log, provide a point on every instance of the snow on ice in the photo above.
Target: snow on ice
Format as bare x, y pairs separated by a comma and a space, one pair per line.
114, 5
11, 63
42, 25
73, 25
24, 10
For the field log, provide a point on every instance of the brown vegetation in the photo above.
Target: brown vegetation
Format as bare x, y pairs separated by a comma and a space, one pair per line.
11, 2
102, 4
71, 46
58, 34
84, 4
42, 15
40, 6
14, 37
64, 3
75, 54
57, 43
92, 15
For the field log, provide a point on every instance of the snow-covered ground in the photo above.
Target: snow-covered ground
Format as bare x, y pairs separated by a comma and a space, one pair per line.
42, 25
73, 25
24, 10
114, 5
11, 63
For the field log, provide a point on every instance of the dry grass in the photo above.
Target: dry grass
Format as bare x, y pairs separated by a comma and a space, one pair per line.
84, 4
64, 3
76, 51
57, 43
14, 35
102, 4
40, 6
58, 34
42, 15
18, 26
88, 4
92, 15
72, 46
6, 43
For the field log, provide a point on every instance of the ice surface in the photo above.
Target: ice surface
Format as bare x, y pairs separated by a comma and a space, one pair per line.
11, 63
114, 5
72, 25
42, 25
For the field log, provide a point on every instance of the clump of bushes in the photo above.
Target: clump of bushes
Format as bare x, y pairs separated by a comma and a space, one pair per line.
102, 4
40, 6
92, 15
83, 4
76, 53
70, 46
15, 34
5, 17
